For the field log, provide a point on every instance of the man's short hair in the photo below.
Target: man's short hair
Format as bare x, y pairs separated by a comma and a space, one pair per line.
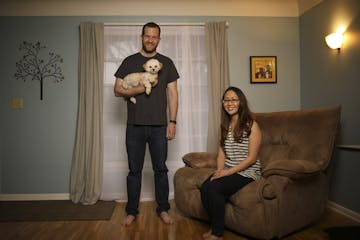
150, 25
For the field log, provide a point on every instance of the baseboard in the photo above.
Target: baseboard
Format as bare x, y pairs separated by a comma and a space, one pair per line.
57, 196
34, 197
344, 211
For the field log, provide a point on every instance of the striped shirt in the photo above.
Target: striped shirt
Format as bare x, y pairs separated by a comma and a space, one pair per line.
236, 152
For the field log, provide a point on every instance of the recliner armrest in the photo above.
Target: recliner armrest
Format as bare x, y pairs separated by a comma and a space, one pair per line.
200, 160
294, 169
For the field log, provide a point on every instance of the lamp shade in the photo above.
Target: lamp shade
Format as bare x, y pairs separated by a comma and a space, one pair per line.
334, 40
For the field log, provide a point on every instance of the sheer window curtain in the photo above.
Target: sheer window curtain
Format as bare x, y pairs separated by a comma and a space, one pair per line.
185, 45
218, 76
87, 162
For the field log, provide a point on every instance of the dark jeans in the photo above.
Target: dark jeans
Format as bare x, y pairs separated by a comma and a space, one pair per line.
213, 197
136, 138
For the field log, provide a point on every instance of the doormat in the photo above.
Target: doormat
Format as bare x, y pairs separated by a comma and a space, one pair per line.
54, 210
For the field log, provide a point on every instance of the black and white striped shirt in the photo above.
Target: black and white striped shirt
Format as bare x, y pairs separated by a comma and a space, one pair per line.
236, 152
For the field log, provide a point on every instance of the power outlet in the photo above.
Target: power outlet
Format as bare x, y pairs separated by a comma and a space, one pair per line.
17, 103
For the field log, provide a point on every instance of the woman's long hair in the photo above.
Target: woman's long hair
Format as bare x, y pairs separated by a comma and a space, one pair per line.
244, 122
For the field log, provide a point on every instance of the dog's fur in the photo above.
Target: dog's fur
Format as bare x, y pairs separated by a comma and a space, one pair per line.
149, 78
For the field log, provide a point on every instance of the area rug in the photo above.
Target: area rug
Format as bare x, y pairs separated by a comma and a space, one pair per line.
54, 210
344, 233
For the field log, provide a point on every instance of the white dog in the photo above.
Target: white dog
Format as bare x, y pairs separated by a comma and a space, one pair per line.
149, 78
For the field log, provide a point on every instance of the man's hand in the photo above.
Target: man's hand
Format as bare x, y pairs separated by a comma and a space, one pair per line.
127, 93
171, 131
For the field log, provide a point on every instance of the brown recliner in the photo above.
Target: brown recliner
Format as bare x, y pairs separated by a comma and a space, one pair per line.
291, 193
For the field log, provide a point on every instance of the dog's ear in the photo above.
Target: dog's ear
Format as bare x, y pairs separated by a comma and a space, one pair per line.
160, 65
144, 66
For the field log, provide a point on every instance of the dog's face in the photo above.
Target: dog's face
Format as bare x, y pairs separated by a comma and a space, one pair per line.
152, 66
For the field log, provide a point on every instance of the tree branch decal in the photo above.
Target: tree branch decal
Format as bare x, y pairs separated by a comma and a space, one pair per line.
33, 67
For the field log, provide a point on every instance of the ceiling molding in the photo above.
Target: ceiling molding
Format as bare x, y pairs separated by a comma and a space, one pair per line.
269, 8
305, 5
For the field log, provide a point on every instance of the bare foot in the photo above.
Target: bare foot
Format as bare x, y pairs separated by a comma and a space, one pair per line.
128, 220
165, 217
207, 234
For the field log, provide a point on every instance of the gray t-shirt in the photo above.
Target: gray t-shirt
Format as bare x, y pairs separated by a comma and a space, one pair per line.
149, 109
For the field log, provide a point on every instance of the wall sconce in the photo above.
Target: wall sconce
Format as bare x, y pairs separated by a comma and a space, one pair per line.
335, 40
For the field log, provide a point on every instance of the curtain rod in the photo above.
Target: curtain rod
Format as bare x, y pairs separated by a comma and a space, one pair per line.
161, 24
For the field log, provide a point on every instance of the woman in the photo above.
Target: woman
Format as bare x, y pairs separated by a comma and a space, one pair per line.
237, 163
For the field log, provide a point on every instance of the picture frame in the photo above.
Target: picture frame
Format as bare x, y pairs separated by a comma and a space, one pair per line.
263, 69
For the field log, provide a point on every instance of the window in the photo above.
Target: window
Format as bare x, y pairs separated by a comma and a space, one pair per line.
185, 45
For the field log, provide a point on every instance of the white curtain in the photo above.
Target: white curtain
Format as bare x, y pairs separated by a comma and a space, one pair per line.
185, 45
218, 77
87, 163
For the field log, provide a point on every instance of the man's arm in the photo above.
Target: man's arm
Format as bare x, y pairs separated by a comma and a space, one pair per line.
172, 93
126, 93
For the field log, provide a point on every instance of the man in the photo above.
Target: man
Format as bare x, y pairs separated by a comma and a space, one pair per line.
147, 123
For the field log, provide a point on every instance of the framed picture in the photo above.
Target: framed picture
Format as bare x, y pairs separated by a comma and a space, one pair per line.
263, 69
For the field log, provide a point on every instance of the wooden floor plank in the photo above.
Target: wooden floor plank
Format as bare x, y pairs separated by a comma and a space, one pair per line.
147, 226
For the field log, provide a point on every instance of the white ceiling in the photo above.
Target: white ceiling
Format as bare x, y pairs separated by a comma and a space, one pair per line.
281, 8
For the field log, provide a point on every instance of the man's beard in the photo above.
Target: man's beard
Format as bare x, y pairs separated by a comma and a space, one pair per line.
152, 50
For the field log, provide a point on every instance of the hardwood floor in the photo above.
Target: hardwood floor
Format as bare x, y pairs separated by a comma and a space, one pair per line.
146, 227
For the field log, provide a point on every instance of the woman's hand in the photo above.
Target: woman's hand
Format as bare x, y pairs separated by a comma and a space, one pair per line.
219, 174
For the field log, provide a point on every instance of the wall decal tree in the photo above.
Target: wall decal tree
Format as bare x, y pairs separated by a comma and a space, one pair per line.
34, 67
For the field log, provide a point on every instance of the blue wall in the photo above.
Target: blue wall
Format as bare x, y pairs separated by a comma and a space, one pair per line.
329, 77
37, 141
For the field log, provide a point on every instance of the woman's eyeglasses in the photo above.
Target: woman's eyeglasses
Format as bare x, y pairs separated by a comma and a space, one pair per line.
234, 100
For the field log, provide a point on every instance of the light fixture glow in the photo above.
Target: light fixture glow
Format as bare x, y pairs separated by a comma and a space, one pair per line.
335, 40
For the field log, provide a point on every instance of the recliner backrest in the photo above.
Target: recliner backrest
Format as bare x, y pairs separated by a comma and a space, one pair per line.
304, 134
